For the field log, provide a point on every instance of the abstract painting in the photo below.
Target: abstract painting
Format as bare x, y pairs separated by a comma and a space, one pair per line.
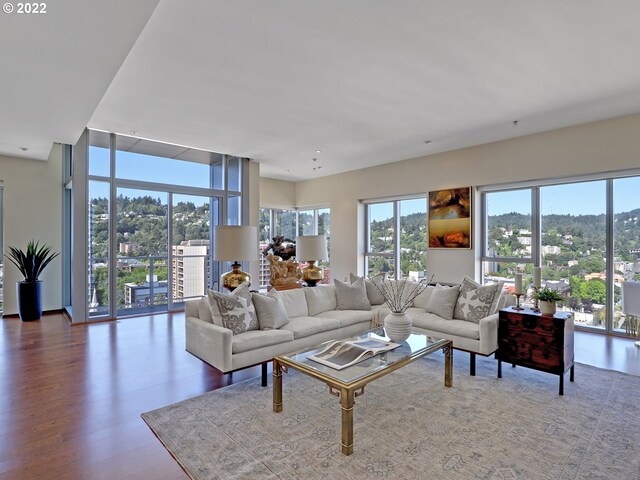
450, 218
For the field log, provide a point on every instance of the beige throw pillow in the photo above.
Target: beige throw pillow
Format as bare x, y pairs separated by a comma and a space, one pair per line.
373, 294
422, 300
443, 301
270, 310
352, 297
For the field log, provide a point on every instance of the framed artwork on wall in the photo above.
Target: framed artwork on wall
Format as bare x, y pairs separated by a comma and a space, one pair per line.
450, 218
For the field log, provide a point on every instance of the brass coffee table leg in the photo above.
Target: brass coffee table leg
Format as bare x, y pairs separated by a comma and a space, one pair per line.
347, 402
277, 386
448, 365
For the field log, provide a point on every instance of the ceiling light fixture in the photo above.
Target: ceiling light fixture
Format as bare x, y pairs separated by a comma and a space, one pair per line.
318, 151
427, 142
24, 149
515, 123
133, 132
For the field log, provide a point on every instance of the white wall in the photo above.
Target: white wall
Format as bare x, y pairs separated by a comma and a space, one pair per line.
277, 193
33, 210
595, 147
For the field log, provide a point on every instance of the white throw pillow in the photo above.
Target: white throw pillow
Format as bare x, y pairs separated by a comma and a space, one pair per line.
320, 299
270, 310
237, 310
443, 301
422, 300
214, 311
373, 294
352, 297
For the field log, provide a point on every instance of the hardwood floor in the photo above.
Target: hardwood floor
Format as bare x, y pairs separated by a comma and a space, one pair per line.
71, 397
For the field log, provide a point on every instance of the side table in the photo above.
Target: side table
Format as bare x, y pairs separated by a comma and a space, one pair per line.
542, 342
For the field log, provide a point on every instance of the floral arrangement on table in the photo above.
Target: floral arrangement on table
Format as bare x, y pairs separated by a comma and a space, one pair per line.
399, 294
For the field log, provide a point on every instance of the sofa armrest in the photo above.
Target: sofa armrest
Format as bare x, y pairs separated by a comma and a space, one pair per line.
489, 334
211, 343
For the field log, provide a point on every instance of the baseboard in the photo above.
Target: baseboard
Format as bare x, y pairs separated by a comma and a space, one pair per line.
59, 311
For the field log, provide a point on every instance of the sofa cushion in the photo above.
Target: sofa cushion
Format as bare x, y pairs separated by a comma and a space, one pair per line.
270, 310
352, 297
460, 328
348, 317
443, 301
236, 308
373, 294
422, 300
304, 326
295, 302
475, 304
320, 299
259, 338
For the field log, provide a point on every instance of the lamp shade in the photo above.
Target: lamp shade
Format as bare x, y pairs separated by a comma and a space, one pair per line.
311, 247
235, 242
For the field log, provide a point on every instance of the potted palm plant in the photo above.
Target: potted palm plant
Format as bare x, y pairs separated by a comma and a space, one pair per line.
547, 299
30, 263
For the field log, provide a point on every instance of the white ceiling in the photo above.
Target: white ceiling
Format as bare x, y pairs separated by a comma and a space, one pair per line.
365, 81
56, 66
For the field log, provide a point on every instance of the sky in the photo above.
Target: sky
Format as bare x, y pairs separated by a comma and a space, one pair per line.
585, 198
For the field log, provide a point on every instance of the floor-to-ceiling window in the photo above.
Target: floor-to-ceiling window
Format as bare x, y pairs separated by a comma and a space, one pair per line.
1, 250
584, 234
508, 241
626, 244
396, 238
289, 224
151, 212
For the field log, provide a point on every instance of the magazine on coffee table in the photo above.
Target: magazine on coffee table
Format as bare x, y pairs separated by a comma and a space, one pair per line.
344, 353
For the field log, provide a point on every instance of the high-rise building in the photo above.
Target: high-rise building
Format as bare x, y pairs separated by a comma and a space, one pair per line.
190, 266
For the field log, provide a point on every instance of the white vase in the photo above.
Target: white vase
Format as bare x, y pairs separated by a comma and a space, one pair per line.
547, 308
398, 326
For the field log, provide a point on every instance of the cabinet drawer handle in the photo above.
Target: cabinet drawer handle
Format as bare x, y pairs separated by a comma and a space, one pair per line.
529, 322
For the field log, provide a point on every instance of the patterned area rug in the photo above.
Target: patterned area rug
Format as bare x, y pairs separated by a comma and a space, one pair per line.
409, 426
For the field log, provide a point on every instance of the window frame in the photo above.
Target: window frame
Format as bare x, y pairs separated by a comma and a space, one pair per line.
394, 255
536, 237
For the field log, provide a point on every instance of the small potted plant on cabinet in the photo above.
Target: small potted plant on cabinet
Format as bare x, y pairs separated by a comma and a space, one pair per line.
547, 299
30, 264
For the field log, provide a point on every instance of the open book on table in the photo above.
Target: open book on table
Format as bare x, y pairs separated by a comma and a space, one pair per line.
344, 353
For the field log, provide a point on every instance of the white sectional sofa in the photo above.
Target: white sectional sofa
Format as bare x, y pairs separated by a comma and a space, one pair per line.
313, 318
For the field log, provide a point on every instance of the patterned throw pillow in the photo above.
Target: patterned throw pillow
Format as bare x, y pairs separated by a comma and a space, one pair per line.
475, 304
237, 310
466, 286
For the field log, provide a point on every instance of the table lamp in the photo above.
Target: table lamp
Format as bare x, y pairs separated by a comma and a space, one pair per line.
235, 243
310, 248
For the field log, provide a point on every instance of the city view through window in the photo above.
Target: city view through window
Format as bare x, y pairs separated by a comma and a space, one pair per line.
161, 238
397, 235
572, 245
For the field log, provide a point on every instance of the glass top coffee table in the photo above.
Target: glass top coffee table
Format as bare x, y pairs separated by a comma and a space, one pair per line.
349, 383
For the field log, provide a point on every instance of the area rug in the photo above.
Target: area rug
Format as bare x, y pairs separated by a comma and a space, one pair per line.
409, 426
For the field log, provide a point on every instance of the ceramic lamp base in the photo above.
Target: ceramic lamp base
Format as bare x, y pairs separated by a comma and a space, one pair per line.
231, 280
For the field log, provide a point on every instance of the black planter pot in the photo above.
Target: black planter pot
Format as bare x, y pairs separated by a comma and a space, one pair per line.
29, 300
